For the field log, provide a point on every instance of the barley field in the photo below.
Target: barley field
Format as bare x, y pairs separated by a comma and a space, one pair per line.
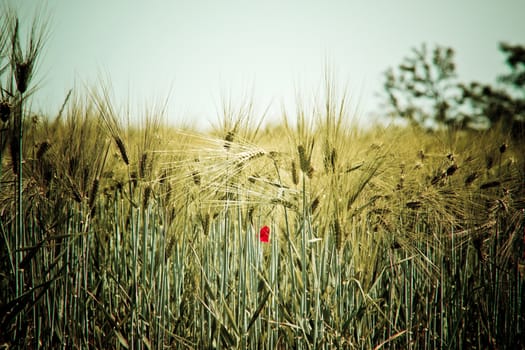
309, 234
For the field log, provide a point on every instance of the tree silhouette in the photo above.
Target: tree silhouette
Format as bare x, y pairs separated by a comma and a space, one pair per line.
424, 91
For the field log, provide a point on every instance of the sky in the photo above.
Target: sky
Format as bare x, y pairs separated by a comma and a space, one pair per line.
197, 54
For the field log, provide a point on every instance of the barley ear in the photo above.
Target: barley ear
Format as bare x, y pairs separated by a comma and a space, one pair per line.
143, 165
94, 192
5, 111
228, 139
147, 195
337, 233
304, 161
295, 178
122, 149
42, 149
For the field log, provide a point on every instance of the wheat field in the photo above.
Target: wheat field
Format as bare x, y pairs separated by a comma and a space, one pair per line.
312, 233
151, 236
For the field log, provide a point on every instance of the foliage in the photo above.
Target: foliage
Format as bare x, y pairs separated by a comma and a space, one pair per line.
424, 91
424, 87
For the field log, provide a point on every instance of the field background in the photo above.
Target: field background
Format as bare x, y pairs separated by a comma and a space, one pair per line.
122, 231
146, 235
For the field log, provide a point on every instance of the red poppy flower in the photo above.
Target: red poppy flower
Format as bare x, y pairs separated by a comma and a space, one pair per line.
264, 234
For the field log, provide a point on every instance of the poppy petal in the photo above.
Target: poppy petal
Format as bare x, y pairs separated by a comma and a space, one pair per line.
264, 234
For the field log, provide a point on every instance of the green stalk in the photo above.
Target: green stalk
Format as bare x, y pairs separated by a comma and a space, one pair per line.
315, 292
304, 305
19, 237
86, 264
32, 240
243, 270
135, 290
288, 237
273, 311
495, 277
145, 287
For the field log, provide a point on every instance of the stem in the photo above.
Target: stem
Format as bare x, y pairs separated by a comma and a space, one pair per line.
304, 307
19, 237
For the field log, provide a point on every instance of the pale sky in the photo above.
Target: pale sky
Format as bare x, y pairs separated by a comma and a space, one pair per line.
196, 52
